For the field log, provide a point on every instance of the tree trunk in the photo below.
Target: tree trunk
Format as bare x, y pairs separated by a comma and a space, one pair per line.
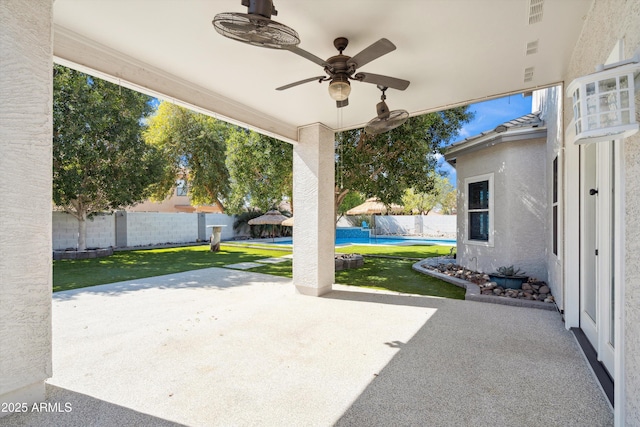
82, 231
339, 196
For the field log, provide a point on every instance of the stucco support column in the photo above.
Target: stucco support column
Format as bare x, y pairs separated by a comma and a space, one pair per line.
313, 195
26, 46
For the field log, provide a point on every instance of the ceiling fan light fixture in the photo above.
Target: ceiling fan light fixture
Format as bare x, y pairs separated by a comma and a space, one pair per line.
341, 69
339, 89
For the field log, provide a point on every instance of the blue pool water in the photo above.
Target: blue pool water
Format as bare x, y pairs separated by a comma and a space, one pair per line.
381, 241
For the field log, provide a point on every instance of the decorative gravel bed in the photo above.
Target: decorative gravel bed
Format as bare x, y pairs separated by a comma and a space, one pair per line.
480, 289
533, 289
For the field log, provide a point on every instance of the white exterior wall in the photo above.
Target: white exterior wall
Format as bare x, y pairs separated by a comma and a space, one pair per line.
25, 217
608, 22
101, 231
417, 225
148, 228
549, 102
221, 219
630, 374
519, 208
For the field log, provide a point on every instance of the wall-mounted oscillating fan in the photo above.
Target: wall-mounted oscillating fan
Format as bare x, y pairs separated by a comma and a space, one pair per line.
385, 120
256, 27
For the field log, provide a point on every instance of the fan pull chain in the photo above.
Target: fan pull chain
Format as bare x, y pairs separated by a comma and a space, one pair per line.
339, 148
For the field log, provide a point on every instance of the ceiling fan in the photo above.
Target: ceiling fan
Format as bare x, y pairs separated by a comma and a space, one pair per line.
385, 120
341, 68
257, 28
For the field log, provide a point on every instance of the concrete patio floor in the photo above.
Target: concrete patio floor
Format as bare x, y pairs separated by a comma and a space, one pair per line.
222, 347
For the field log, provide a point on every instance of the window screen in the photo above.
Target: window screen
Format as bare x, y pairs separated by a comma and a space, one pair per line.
479, 210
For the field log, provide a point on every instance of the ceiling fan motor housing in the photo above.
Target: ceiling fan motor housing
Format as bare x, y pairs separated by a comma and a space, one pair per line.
260, 7
383, 110
338, 64
341, 43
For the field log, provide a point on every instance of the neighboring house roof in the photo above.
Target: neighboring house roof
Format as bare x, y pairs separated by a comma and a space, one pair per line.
173, 204
198, 208
529, 126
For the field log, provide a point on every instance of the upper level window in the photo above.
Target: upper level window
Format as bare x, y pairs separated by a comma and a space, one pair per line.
479, 203
181, 187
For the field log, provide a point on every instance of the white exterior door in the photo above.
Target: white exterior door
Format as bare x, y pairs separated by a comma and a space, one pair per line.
599, 240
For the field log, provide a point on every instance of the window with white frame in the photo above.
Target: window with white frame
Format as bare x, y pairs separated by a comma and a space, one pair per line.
479, 203
181, 187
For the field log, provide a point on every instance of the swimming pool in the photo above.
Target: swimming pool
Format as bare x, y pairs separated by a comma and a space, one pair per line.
382, 241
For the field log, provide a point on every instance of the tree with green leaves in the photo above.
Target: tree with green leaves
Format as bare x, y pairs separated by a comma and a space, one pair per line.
351, 200
423, 203
261, 171
100, 160
450, 203
193, 146
385, 165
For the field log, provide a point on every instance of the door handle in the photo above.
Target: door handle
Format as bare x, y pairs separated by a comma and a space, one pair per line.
593, 192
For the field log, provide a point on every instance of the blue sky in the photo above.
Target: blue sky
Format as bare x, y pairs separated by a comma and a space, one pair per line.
489, 114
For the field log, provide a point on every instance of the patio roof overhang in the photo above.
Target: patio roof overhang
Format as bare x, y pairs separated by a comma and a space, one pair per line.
453, 53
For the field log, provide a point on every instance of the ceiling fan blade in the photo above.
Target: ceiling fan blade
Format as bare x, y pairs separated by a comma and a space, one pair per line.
307, 55
310, 79
380, 80
341, 104
375, 51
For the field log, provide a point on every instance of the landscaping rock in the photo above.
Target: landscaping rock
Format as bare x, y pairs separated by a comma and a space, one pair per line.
346, 261
87, 254
532, 290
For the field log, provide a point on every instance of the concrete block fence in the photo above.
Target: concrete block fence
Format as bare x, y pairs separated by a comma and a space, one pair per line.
417, 225
101, 231
129, 229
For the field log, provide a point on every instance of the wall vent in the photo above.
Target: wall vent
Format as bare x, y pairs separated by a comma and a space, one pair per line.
535, 11
532, 47
528, 74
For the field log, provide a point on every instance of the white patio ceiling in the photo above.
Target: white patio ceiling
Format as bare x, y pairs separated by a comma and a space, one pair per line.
452, 51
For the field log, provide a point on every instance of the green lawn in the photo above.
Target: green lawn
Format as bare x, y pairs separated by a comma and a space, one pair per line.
394, 274
413, 251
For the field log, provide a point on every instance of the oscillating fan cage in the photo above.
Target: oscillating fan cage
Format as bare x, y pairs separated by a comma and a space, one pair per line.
396, 118
255, 30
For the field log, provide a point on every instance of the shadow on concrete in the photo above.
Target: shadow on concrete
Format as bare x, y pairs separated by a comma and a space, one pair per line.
208, 278
385, 298
508, 366
71, 409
